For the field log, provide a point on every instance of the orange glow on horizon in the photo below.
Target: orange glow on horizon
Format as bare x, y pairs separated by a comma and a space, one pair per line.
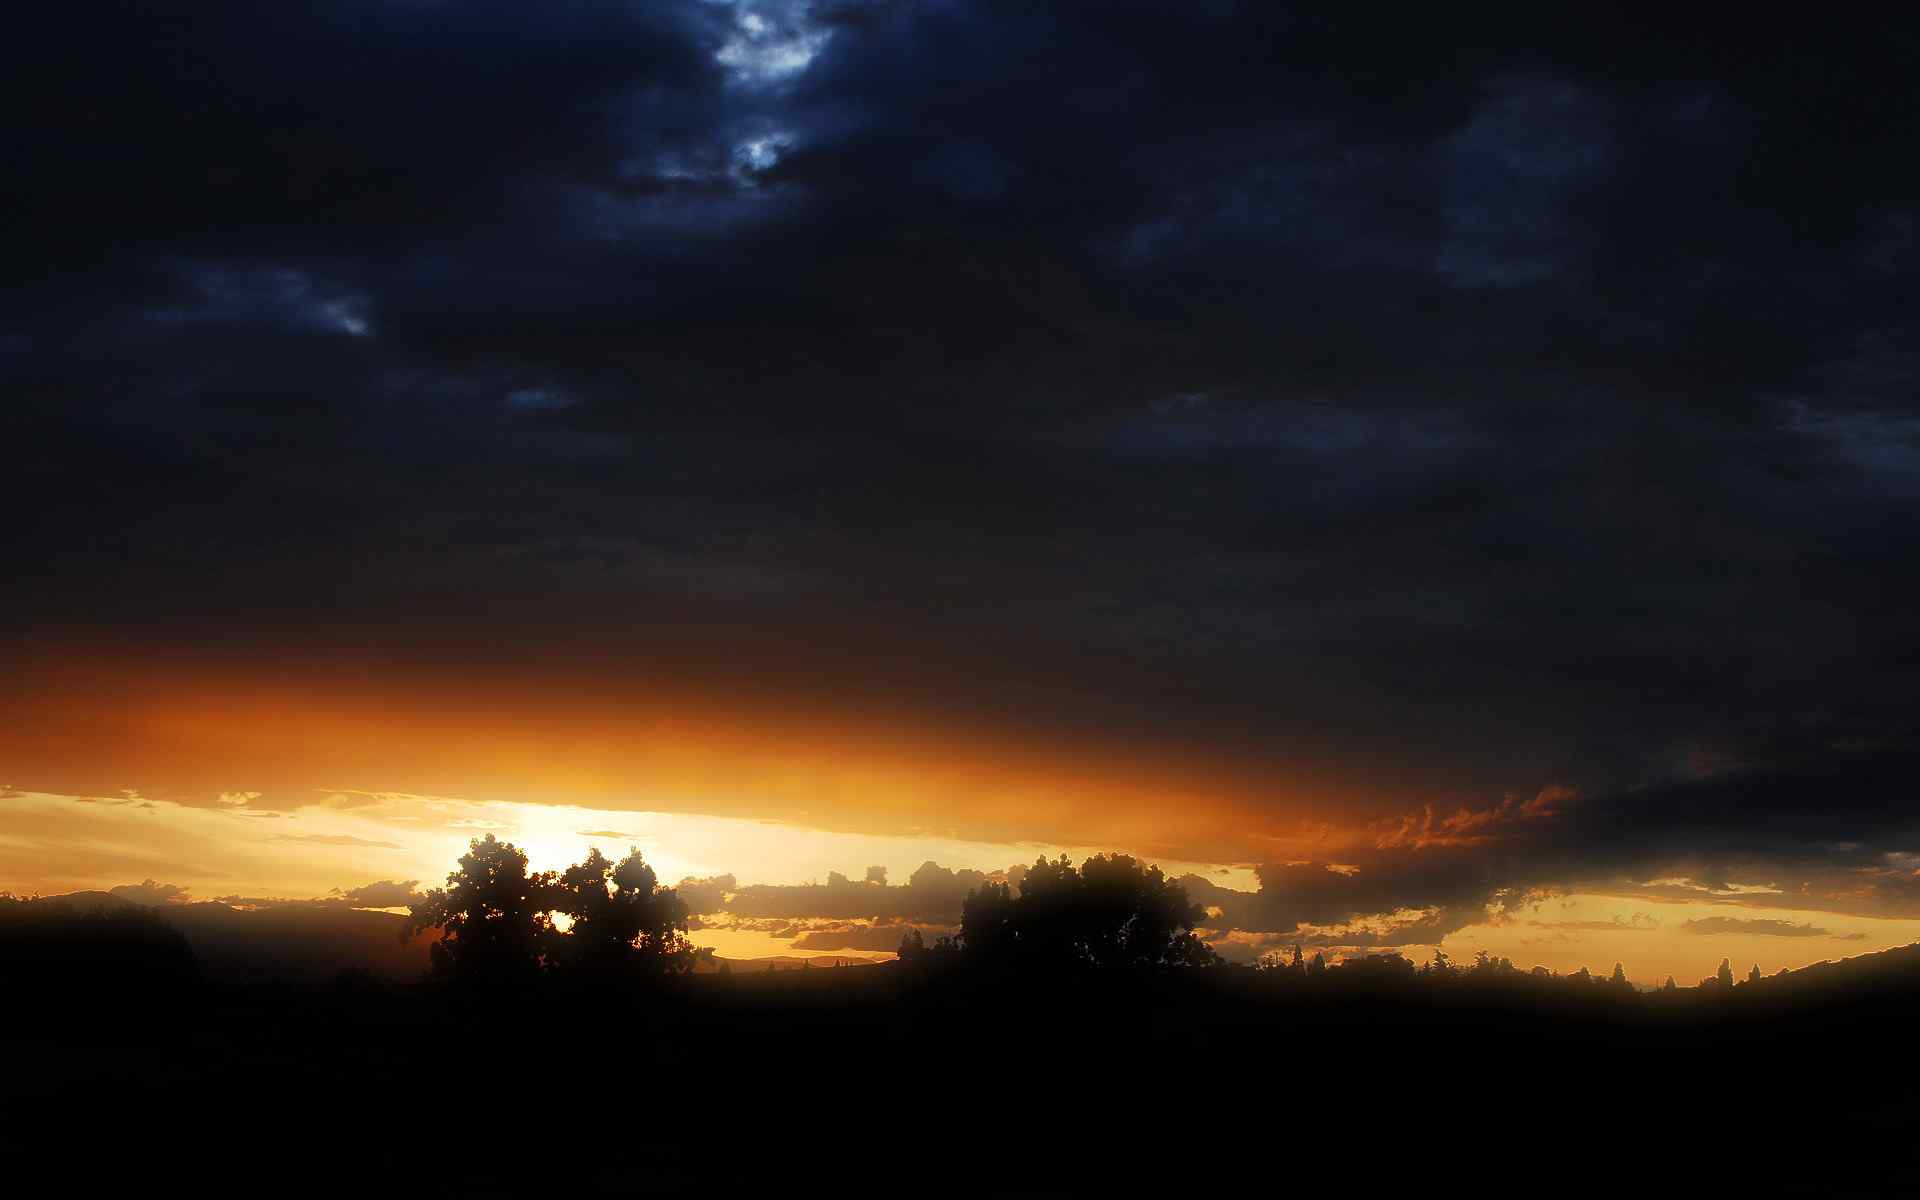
295, 733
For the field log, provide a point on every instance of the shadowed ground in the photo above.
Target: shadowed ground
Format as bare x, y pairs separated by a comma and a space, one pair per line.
947, 1081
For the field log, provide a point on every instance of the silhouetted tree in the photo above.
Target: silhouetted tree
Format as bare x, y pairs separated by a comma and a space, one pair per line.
1390, 967
1278, 964
1112, 912
1753, 976
623, 921
913, 944
1725, 977
1619, 978
1486, 967
493, 916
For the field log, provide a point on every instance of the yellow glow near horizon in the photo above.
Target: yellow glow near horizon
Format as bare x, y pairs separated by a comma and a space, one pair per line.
51, 844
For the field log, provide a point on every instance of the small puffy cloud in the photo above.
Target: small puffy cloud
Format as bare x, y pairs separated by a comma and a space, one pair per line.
708, 895
384, 893
770, 42
152, 892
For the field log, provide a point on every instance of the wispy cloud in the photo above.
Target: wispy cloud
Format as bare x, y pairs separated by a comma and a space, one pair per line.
336, 839
1760, 925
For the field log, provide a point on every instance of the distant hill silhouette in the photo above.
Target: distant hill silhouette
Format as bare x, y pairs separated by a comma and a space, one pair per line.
292, 942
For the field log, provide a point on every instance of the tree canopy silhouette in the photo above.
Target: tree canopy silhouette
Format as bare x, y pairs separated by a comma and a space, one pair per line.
622, 920
1112, 912
497, 926
494, 917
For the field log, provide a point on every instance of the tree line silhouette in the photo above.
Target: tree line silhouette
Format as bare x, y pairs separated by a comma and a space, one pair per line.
499, 923
577, 987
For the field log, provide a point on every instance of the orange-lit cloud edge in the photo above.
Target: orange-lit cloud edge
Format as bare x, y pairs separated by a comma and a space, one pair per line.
97, 724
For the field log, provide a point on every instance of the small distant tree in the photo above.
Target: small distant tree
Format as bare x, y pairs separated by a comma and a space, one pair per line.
1317, 967
1753, 976
1725, 977
1669, 985
913, 945
1619, 979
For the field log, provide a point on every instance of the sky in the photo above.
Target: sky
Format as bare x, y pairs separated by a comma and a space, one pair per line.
1454, 474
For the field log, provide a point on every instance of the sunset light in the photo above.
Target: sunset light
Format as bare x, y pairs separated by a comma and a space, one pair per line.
981, 597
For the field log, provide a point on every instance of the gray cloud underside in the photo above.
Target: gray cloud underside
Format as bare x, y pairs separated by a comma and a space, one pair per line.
1523, 397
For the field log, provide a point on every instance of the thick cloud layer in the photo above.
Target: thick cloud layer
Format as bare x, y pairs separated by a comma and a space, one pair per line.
1442, 407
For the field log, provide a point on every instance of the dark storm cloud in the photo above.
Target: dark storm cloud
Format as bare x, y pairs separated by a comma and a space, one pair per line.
1806, 835
1449, 403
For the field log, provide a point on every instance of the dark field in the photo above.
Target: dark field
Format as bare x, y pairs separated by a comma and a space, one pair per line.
129, 1069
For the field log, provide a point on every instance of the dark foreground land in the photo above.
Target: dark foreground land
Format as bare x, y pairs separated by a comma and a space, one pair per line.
130, 1070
